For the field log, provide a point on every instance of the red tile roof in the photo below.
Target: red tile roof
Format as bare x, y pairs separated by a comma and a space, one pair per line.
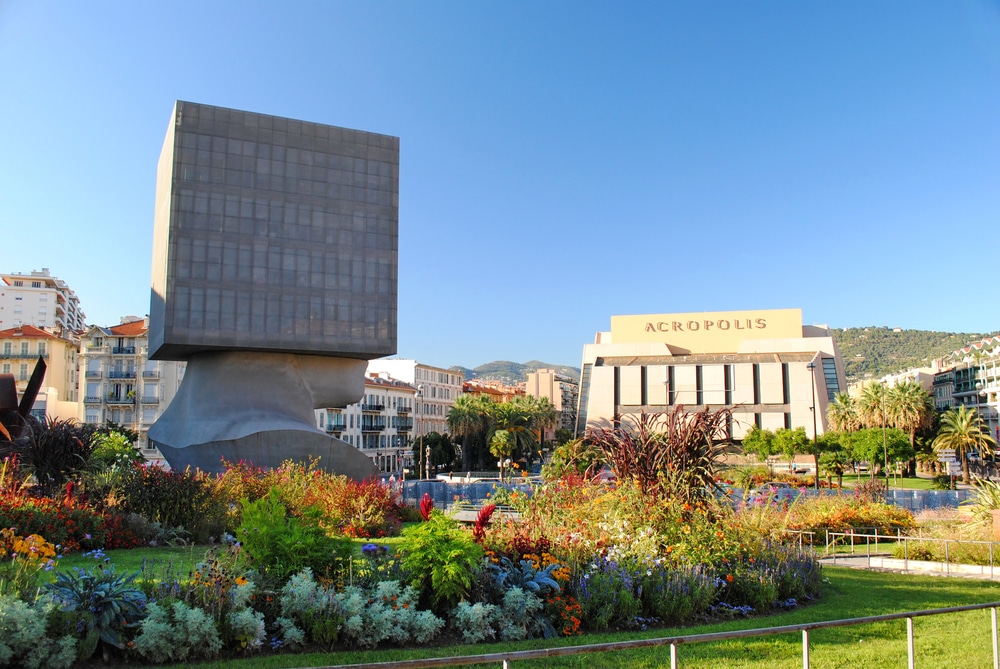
132, 329
27, 331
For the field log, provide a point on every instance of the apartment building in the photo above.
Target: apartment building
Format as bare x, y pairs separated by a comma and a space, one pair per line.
560, 390
436, 391
380, 425
121, 384
20, 349
41, 300
975, 380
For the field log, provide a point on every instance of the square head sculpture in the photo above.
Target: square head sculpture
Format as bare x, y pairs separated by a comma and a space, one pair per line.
273, 235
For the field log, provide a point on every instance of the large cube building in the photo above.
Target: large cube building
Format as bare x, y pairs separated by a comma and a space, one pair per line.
273, 235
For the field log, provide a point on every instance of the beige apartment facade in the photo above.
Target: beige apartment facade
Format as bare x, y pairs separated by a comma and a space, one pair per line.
766, 366
561, 391
20, 349
437, 390
121, 384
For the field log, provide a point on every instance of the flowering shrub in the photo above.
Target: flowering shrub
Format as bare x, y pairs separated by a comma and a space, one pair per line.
841, 512
676, 594
359, 510
565, 613
605, 591
72, 526
21, 560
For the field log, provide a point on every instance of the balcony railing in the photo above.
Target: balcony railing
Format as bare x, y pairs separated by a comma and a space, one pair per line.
92, 399
373, 407
119, 374
403, 410
123, 350
93, 374
121, 400
405, 424
150, 373
336, 427
372, 426
150, 400
23, 356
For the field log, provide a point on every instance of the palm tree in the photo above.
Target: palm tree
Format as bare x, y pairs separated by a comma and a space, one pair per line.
871, 406
842, 413
470, 419
963, 430
910, 408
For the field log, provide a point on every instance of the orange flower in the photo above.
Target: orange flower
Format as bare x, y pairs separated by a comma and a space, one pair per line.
729, 578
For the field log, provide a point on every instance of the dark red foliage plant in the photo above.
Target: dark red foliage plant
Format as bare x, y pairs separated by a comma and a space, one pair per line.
426, 506
482, 520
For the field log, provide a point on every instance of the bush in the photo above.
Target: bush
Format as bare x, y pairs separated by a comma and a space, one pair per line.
176, 633
518, 617
53, 451
359, 510
439, 559
316, 607
24, 641
387, 612
177, 499
280, 545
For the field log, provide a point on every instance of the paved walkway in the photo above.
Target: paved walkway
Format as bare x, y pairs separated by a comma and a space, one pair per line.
915, 567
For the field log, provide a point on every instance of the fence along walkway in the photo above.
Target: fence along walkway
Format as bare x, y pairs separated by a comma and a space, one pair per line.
676, 641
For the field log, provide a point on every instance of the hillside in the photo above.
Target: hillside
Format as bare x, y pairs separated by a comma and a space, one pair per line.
511, 372
867, 351
875, 351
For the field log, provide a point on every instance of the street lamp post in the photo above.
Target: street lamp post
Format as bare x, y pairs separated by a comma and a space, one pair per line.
885, 449
979, 415
812, 376
420, 436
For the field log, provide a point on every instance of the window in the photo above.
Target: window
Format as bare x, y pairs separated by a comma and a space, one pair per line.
830, 375
22, 374
7, 348
18, 284
36, 284
24, 348
41, 348
6, 368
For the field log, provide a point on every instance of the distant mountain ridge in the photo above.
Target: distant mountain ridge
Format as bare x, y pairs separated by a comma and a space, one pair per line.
512, 372
871, 351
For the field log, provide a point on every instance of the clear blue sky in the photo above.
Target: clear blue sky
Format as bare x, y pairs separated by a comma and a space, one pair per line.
561, 162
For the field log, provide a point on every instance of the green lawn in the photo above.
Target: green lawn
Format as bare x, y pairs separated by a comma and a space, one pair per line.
897, 483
